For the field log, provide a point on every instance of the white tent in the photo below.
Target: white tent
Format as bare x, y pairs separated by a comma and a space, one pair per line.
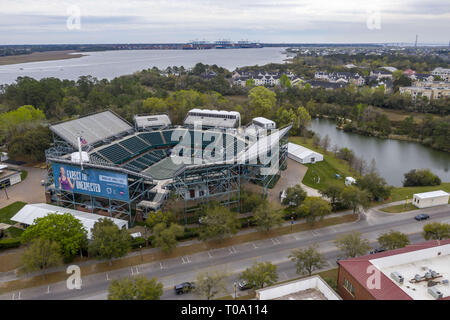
302, 154
30, 212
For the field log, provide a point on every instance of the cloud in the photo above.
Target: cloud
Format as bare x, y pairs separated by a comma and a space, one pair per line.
44, 21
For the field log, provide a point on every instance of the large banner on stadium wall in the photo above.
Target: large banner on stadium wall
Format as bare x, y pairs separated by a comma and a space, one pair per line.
94, 182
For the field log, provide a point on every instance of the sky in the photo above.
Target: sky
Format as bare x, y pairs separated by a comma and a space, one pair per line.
179, 21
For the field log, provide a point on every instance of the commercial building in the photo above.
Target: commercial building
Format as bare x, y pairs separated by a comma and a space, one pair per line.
311, 288
430, 199
8, 177
27, 215
303, 155
416, 272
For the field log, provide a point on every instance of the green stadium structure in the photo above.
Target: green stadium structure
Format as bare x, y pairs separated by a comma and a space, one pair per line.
195, 165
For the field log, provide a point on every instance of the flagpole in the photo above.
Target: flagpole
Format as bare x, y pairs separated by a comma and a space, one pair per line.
79, 149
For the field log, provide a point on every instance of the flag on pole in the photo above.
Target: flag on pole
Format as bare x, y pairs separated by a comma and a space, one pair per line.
83, 141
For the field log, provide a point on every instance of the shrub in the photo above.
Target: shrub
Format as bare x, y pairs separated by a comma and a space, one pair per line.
9, 243
421, 178
137, 242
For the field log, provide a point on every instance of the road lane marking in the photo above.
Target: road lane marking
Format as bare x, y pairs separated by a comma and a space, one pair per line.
254, 246
232, 250
107, 277
162, 267
48, 289
185, 260
275, 241
209, 254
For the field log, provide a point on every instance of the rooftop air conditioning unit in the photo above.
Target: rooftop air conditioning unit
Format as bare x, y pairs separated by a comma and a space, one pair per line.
435, 293
397, 277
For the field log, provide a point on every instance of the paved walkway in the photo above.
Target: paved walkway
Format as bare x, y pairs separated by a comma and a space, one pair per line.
30, 190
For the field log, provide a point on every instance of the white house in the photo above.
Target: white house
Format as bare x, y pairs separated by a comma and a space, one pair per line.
430, 199
303, 155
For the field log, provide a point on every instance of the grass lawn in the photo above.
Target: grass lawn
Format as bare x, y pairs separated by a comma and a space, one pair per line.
23, 175
8, 212
398, 194
399, 208
325, 169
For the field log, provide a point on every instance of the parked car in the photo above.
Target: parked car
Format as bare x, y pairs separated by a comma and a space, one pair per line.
244, 285
421, 217
377, 250
184, 287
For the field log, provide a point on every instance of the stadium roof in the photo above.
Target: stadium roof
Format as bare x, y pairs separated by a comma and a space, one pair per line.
30, 212
93, 128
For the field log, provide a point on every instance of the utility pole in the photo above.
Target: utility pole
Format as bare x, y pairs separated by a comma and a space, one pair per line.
6, 193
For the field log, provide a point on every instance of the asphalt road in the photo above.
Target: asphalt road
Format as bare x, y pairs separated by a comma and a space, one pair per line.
233, 260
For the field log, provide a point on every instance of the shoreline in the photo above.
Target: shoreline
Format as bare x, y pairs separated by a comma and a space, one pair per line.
39, 56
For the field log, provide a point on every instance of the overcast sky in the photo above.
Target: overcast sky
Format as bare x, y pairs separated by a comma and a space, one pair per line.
164, 21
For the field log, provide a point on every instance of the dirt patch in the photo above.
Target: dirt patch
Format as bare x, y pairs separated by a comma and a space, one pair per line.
39, 56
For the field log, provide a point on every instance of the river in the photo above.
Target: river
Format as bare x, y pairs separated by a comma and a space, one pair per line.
393, 157
111, 64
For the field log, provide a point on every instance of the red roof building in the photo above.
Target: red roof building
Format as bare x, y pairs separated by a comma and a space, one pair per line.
370, 277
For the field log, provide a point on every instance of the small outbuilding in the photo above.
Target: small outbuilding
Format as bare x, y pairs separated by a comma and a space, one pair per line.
303, 155
430, 199
9, 177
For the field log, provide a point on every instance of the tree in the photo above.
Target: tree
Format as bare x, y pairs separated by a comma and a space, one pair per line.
266, 216
166, 237
260, 274
417, 177
436, 231
15, 122
64, 229
303, 119
333, 192
313, 208
353, 198
393, 240
209, 284
159, 217
219, 223
325, 142
108, 241
352, 244
284, 81
307, 260
294, 196
262, 101
137, 288
376, 185
41, 255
